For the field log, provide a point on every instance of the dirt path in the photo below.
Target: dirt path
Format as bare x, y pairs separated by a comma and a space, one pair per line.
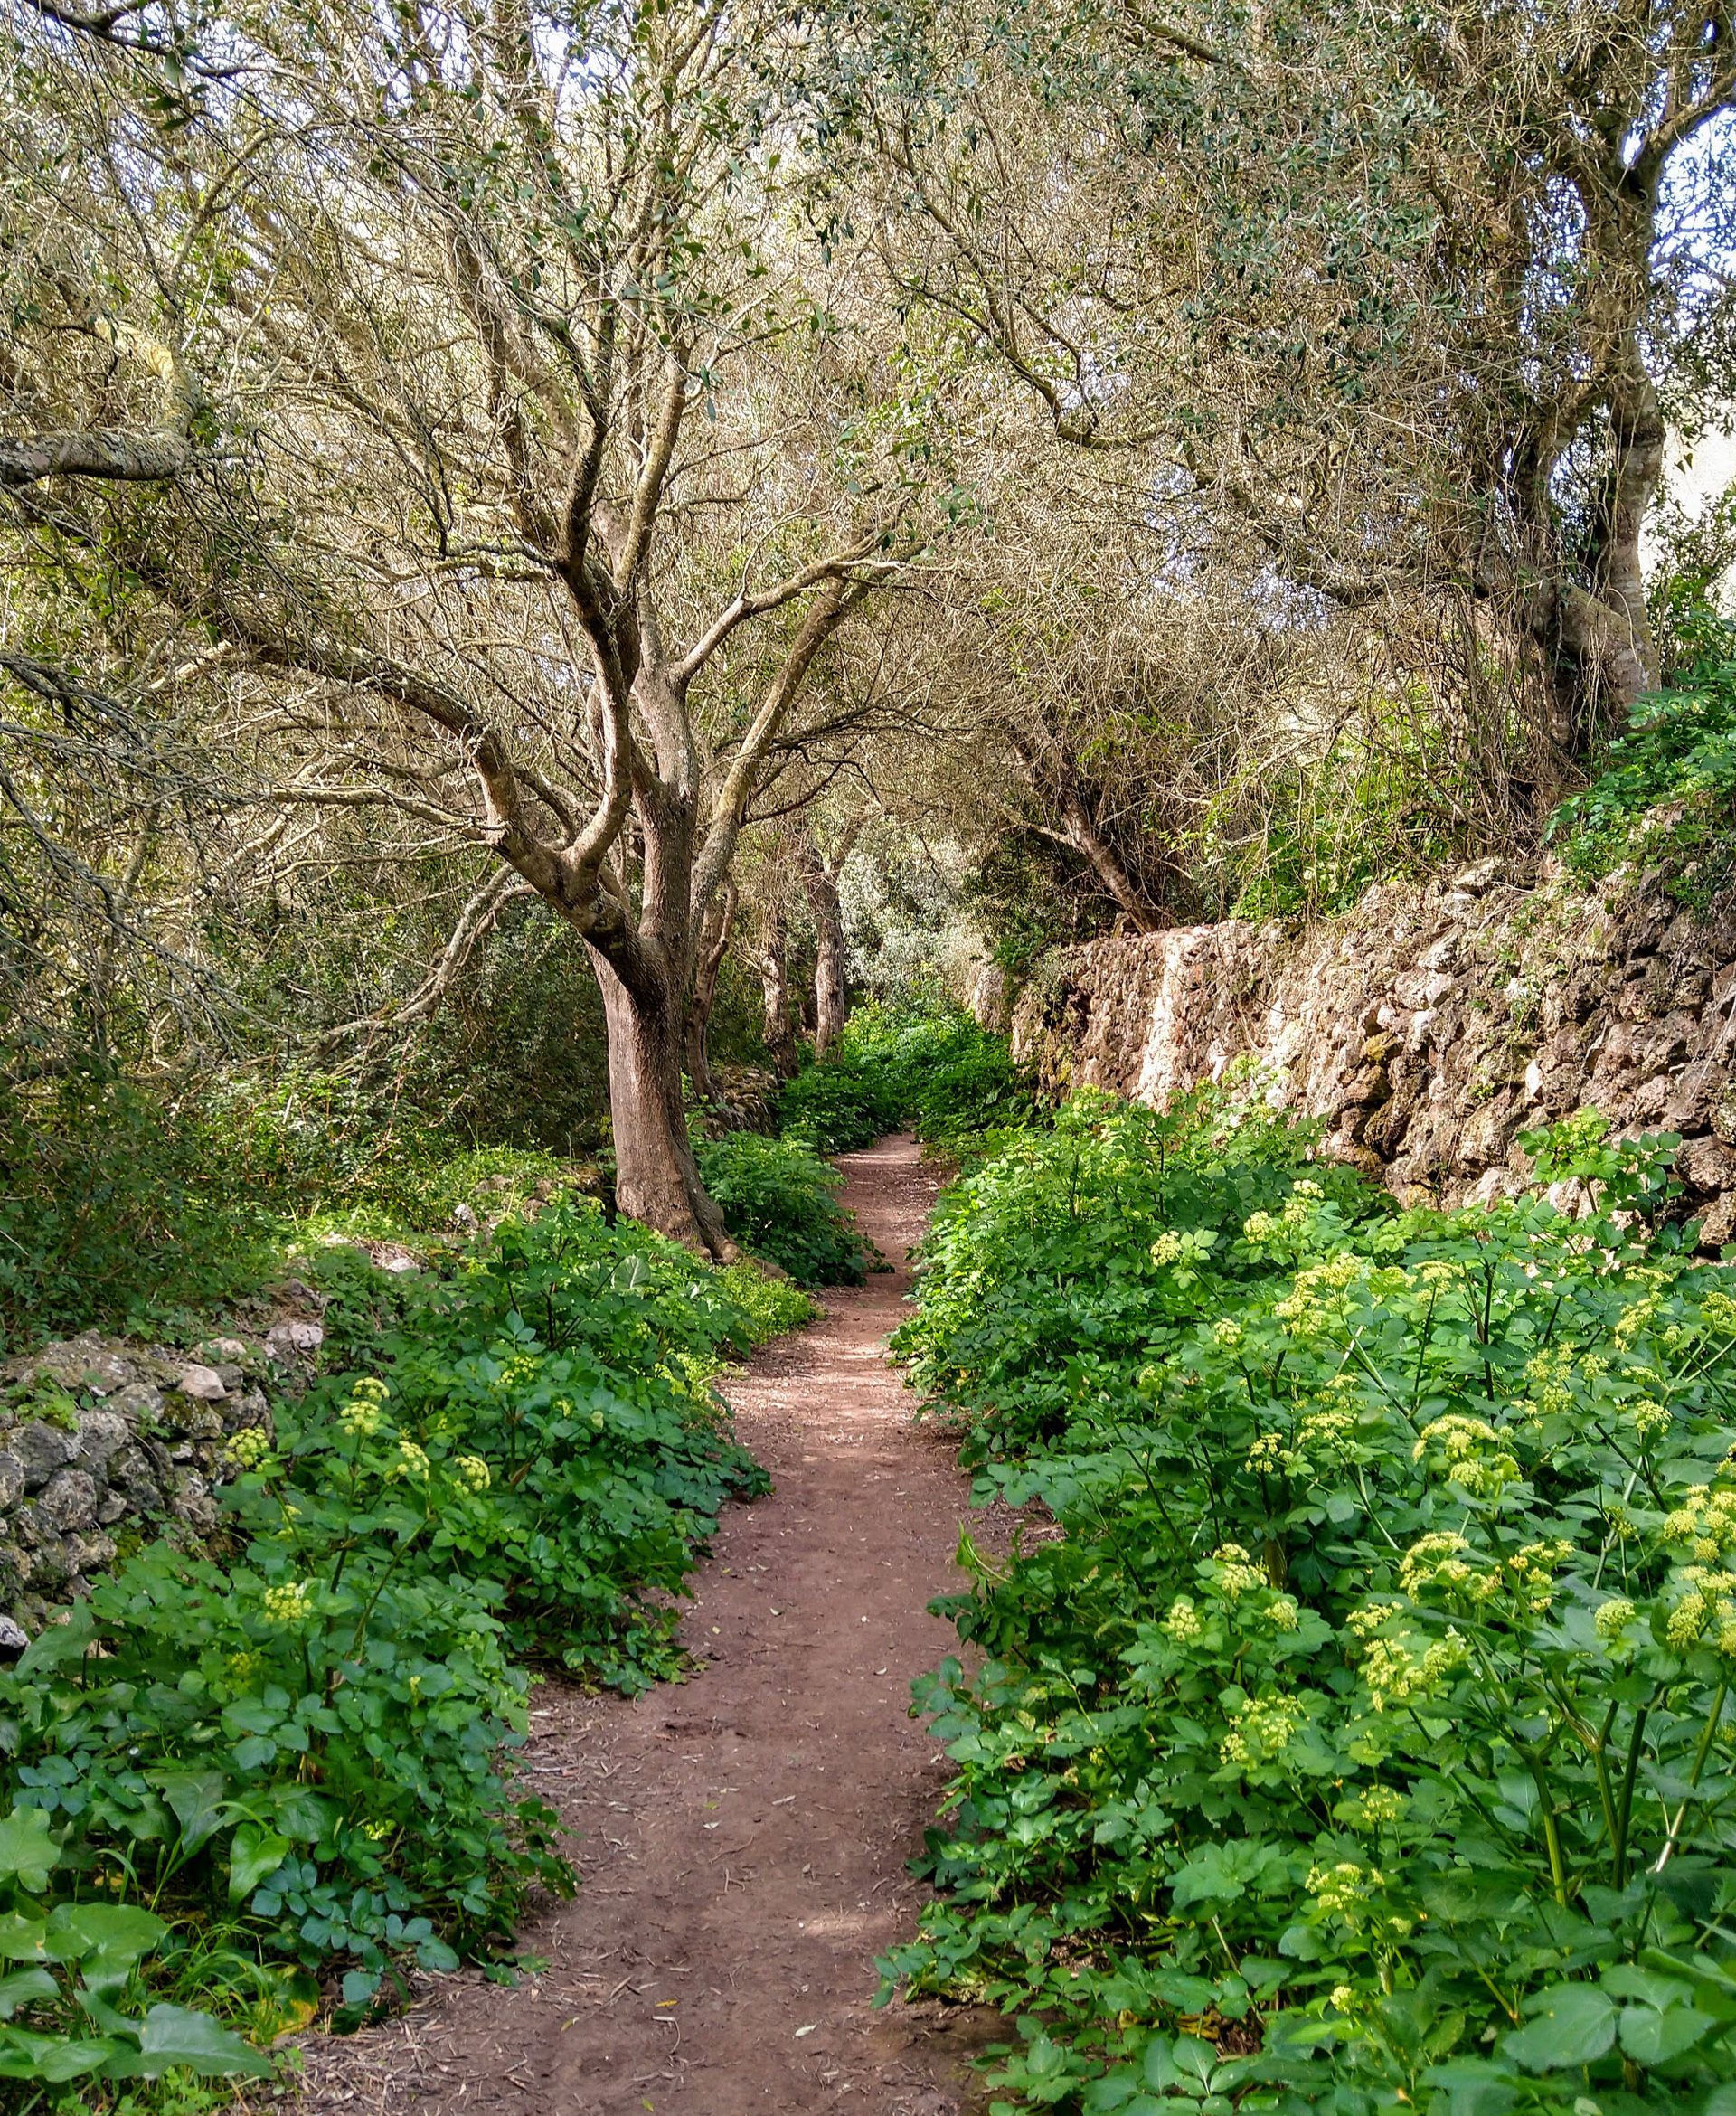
743, 1835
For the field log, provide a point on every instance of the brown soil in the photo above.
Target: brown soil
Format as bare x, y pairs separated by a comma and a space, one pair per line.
744, 1835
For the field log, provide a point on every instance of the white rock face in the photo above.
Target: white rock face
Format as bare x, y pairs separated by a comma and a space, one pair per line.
204, 1382
291, 1340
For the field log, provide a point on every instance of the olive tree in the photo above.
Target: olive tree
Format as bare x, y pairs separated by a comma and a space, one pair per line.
496, 408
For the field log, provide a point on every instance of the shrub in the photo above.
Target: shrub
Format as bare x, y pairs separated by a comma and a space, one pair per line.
305, 1735
114, 1208
1361, 1742
781, 1199
1665, 796
937, 1069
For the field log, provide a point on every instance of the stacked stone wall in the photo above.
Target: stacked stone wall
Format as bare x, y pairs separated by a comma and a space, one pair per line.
104, 1441
1430, 1027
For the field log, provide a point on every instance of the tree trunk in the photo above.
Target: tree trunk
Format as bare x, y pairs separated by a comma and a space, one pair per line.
713, 946
831, 988
775, 996
656, 1179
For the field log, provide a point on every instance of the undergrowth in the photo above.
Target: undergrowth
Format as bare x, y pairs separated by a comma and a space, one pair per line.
1349, 1728
781, 1199
250, 1778
1664, 797
936, 1070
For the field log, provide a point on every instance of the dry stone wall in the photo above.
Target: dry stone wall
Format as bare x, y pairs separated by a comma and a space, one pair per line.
1430, 1027
103, 1439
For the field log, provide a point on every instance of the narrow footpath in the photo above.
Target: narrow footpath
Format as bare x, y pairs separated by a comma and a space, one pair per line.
743, 1835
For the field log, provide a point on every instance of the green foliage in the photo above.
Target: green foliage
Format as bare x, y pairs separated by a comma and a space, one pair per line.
108, 1208
1308, 836
1667, 796
121, 1209
772, 1306
1363, 1740
72, 1990
935, 1068
303, 1737
780, 1198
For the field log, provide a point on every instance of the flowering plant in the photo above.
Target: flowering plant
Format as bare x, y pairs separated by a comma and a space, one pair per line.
1368, 1725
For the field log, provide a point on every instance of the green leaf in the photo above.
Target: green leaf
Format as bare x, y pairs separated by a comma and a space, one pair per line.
173, 2034
303, 1815
254, 1855
22, 1987
196, 1800
57, 1644
1651, 2037
1571, 2025
21, 1939
25, 2054
120, 1930
28, 1853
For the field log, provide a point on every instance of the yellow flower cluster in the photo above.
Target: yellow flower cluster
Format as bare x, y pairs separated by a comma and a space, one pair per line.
1237, 1575
1378, 1806
1363, 1623
410, 1461
360, 1418
1394, 1675
1551, 1373
1344, 1890
287, 1604
1168, 1248
1319, 1295
1613, 1618
1706, 1519
1435, 1561
243, 1668
1319, 1432
1528, 1575
1472, 1453
1260, 1730
1633, 1321
1282, 1613
249, 1447
1257, 1227
1227, 1334
472, 1472
1183, 1622
1710, 1601
1718, 1312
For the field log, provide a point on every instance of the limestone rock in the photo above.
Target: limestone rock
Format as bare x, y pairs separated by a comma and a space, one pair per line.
68, 1500
40, 1449
1429, 1025
203, 1382
100, 1432
293, 1339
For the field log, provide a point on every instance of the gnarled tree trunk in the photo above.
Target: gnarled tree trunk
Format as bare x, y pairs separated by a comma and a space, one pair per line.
656, 1179
714, 945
